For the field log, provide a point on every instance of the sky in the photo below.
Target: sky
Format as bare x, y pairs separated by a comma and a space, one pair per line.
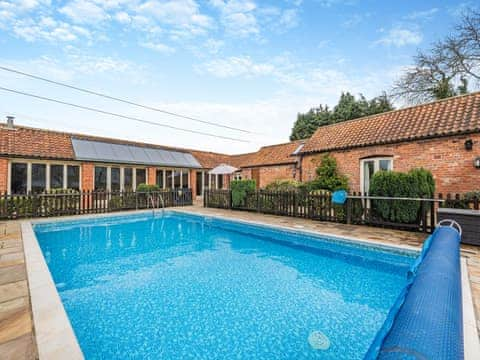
250, 64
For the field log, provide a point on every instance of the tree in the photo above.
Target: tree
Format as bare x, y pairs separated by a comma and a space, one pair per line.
445, 69
348, 108
328, 177
431, 78
463, 47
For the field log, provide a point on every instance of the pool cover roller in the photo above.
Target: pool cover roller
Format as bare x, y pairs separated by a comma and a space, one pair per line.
426, 320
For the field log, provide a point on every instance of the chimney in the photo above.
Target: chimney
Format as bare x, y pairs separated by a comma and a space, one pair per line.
10, 121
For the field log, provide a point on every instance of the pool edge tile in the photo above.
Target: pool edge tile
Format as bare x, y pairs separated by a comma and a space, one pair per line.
54, 334
470, 333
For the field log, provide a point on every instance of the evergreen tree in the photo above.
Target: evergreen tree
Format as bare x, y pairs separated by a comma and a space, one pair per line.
348, 108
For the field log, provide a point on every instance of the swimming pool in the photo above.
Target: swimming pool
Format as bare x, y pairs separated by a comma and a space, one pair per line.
185, 286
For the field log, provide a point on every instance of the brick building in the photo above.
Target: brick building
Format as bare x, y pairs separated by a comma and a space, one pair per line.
442, 136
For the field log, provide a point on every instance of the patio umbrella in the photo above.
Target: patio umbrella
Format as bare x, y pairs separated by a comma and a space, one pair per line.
223, 169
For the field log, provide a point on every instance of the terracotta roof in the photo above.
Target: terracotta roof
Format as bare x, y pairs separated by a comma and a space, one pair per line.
209, 160
456, 115
272, 155
49, 144
22, 141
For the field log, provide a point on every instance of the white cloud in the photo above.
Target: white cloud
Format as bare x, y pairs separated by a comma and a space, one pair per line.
237, 17
289, 19
158, 47
123, 17
84, 12
399, 37
180, 14
422, 15
355, 19
48, 29
213, 46
236, 66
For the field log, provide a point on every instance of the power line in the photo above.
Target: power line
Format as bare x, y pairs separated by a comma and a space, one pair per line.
91, 92
120, 115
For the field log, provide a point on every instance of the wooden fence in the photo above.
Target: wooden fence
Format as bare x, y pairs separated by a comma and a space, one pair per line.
399, 213
88, 202
457, 201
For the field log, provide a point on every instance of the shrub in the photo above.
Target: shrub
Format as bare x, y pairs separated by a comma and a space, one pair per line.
147, 188
415, 184
328, 177
464, 202
283, 185
240, 190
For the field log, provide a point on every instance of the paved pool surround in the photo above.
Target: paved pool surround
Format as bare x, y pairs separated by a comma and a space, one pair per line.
54, 336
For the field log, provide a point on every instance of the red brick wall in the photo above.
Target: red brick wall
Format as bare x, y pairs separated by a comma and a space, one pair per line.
451, 165
151, 176
87, 176
193, 182
3, 175
266, 174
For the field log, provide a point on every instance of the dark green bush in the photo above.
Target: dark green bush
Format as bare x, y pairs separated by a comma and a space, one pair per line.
240, 190
283, 185
413, 184
147, 188
328, 177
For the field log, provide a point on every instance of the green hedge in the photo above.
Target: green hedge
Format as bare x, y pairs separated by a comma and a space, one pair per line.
414, 184
283, 185
240, 189
147, 188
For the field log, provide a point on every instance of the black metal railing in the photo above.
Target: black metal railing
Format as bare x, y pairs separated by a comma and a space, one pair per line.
417, 214
87, 202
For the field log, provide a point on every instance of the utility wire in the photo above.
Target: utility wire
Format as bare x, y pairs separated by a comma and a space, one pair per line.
120, 115
91, 92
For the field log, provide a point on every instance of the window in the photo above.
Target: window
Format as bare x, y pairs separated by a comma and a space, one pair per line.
206, 178
100, 178
220, 181
368, 167
56, 176
39, 178
185, 179
160, 179
73, 177
141, 176
19, 178
199, 183
176, 179
213, 179
169, 179
128, 179
115, 179
237, 176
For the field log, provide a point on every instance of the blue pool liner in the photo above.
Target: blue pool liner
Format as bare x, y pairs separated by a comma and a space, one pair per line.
426, 320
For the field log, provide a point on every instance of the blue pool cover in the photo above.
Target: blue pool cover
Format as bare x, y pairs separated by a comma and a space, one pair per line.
426, 320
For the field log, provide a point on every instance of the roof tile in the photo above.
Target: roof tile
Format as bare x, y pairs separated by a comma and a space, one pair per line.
460, 114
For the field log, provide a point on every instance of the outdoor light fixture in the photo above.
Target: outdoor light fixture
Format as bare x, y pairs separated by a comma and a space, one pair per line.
477, 163
469, 144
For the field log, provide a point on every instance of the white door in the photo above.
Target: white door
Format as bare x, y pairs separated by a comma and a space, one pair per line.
368, 167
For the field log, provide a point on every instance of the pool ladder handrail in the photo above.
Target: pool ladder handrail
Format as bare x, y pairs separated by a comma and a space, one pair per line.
152, 202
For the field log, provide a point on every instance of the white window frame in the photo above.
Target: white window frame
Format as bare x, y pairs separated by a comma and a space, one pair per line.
376, 168
122, 175
48, 163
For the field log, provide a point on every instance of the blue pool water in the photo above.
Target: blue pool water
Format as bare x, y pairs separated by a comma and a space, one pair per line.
182, 286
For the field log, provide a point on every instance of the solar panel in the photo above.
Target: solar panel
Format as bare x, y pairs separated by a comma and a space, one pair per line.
131, 154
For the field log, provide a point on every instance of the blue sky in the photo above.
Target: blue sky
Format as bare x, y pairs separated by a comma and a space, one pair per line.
248, 64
